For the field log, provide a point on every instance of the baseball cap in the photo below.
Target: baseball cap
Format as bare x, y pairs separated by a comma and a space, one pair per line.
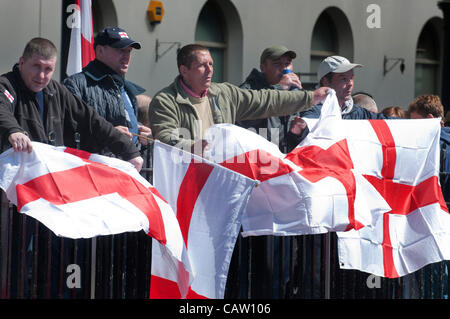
275, 52
335, 64
116, 38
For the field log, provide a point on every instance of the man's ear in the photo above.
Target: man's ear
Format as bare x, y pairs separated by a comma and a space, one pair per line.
430, 116
262, 67
99, 49
183, 69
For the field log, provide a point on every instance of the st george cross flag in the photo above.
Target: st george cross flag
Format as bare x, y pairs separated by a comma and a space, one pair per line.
81, 49
341, 171
314, 189
82, 195
208, 201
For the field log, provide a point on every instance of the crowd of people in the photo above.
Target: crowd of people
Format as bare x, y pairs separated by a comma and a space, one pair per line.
100, 111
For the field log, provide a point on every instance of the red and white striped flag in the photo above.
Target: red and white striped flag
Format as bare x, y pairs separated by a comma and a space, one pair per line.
82, 195
81, 49
208, 201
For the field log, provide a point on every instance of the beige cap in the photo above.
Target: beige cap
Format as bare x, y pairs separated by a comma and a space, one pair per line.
335, 64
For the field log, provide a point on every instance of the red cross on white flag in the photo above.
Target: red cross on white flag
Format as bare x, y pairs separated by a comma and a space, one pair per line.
416, 231
9, 96
376, 180
114, 197
208, 201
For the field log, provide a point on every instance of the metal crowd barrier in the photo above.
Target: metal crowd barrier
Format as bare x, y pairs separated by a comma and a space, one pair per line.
34, 263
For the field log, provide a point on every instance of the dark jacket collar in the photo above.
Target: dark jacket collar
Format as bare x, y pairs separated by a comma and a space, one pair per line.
97, 71
257, 80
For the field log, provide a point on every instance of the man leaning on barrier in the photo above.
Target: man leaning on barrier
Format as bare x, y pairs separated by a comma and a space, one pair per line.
182, 112
102, 84
33, 107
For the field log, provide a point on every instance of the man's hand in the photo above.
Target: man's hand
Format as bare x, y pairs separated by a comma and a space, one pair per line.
199, 147
20, 142
290, 79
297, 125
320, 95
137, 162
144, 131
124, 130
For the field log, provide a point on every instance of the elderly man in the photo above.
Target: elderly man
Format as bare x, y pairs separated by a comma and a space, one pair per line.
276, 73
102, 85
182, 112
33, 107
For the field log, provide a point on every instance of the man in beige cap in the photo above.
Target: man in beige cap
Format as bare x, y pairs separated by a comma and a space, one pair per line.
276, 73
337, 73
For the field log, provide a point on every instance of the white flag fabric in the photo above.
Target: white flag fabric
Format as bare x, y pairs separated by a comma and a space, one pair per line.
82, 195
81, 48
313, 189
416, 231
375, 182
208, 201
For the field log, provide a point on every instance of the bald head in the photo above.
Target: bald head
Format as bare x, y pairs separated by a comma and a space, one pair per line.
366, 102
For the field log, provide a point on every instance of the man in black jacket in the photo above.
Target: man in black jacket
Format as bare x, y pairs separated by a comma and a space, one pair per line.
276, 74
33, 107
102, 85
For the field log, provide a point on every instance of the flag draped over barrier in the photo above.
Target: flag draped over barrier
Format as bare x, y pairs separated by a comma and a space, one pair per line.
313, 189
81, 195
208, 201
81, 49
375, 182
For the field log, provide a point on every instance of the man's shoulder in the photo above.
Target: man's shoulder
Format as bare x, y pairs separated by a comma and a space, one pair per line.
8, 79
445, 134
313, 112
75, 79
169, 90
255, 81
360, 113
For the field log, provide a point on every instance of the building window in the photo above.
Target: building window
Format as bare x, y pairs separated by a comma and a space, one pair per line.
427, 61
323, 42
210, 32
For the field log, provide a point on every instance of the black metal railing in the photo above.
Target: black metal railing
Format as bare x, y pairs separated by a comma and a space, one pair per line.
34, 263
